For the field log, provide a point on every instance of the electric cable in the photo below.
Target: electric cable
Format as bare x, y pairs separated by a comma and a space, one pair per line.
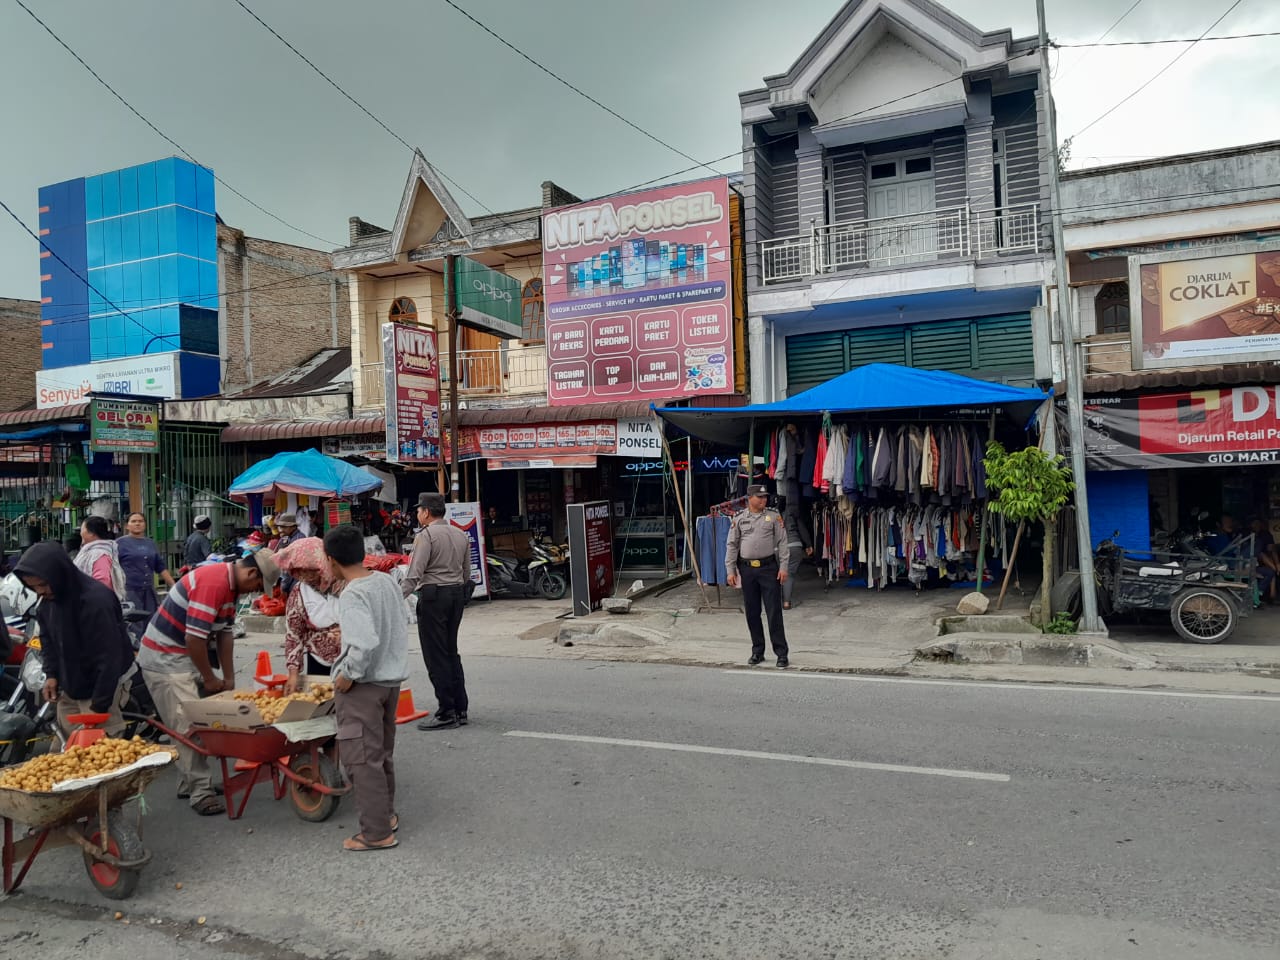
580, 92
1153, 43
54, 253
160, 133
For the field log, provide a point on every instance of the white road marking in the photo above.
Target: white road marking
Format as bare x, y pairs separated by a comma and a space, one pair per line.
762, 755
1010, 685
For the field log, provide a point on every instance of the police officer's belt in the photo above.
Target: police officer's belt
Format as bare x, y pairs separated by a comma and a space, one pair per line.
762, 562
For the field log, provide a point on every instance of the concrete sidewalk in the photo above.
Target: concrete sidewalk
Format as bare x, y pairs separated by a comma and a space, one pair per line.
855, 630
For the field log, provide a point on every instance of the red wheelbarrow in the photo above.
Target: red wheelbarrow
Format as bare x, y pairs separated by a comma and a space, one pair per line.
306, 769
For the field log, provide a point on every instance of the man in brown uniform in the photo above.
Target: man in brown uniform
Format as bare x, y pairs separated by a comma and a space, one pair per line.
440, 573
756, 560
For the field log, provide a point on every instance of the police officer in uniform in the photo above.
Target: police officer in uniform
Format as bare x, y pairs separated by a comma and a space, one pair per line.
756, 560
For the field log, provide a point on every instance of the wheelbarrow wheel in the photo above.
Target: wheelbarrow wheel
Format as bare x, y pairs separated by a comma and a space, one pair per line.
122, 842
1203, 615
312, 805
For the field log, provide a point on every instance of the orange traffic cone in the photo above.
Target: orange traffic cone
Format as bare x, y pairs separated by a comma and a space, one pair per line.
406, 712
264, 665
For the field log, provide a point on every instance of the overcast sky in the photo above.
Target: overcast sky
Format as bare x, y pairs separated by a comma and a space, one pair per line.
229, 92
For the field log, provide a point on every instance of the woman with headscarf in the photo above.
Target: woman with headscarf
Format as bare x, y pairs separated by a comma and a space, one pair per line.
85, 649
312, 640
99, 557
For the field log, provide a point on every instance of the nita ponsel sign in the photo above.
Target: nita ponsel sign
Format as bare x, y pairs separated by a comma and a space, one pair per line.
411, 367
487, 300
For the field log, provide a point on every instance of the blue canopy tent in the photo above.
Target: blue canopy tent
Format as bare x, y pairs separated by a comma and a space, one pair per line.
310, 472
874, 388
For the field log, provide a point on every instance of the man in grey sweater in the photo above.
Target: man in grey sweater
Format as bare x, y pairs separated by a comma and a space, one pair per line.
373, 662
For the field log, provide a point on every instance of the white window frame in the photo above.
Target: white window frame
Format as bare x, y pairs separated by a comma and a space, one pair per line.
1000, 170
900, 162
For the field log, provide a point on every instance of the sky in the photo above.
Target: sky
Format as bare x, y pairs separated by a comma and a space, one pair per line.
229, 92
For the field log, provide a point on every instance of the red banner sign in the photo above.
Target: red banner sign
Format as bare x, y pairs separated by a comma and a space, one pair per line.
411, 367
638, 296
1214, 427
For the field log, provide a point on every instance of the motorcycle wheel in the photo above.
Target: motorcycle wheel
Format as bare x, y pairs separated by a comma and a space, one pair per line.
553, 586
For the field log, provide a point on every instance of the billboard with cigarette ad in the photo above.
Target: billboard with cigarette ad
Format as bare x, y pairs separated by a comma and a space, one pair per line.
638, 296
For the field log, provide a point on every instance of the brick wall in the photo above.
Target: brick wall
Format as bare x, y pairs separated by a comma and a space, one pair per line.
20, 347
294, 304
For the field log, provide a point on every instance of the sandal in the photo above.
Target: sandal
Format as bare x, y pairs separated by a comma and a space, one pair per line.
395, 823
358, 844
786, 605
210, 806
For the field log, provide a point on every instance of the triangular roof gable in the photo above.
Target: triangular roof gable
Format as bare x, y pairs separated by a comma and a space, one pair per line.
934, 31
424, 207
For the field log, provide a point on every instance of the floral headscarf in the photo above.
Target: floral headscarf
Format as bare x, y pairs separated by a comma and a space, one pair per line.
305, 560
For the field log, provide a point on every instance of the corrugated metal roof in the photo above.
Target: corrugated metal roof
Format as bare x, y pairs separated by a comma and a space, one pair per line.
75, 411
304, 430
1236, 373
327, 371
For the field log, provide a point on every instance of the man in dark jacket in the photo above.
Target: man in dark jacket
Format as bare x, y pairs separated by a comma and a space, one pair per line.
86, 651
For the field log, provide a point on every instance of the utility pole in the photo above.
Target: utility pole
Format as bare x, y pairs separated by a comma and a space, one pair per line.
1089, 621
452, 312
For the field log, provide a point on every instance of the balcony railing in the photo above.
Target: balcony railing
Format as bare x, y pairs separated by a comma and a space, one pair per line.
1108, 353
956, 232
516, 369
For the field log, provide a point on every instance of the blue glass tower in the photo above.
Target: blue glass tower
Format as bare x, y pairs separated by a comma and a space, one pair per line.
146, 240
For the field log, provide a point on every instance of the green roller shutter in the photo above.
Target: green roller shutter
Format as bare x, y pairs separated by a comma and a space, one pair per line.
989, 348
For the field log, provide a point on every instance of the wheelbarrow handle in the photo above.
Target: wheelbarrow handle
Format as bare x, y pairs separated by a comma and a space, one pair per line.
153, 722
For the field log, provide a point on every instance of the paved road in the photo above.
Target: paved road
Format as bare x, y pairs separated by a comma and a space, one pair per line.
944, 820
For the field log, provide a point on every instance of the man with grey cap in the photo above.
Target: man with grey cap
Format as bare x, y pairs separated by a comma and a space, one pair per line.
198, 546
756, 560
199, 611
287, 524
440, 574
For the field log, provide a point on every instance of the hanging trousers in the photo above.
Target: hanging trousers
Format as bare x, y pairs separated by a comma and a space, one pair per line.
760, 585
439, 617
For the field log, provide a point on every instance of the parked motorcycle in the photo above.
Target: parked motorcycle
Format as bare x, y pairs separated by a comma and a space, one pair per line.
509, 577
27, 723
556, 558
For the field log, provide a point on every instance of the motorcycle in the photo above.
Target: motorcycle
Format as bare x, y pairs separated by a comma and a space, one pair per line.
556, 557
27, 722
509, 577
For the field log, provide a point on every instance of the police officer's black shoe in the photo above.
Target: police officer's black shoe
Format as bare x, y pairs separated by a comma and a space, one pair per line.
755, 658
783, 662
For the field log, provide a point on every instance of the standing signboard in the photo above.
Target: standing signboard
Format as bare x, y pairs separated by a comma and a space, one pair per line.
466, 517
1205, 311
411, 367
638, 296
123, 426
590, 555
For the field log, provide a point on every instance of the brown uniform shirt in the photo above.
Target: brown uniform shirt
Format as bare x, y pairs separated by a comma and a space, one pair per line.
756, 536
441, 556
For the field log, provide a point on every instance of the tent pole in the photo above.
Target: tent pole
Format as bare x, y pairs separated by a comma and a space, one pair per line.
684, 517
986, 513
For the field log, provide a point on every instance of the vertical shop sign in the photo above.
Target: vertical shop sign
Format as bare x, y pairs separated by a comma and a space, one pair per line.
411, 368
466, 517
590, 555
638, 296
120, 426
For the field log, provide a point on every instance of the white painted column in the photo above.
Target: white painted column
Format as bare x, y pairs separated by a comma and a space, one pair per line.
759, 359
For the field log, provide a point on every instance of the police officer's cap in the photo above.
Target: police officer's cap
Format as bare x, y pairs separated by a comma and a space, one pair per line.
757, 490
432, 502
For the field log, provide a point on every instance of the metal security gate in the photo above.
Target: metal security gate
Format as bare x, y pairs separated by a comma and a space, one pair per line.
187, 477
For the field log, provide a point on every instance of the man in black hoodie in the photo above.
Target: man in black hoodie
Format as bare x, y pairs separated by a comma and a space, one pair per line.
84, 646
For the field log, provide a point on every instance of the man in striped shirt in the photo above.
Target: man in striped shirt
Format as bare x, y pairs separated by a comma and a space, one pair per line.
200, 609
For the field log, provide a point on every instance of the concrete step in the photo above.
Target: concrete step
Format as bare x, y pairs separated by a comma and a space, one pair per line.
257, 623
1041, 650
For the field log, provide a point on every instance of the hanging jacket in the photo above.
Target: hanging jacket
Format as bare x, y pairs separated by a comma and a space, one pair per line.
979, 467
784, 453
808, 457
882, 460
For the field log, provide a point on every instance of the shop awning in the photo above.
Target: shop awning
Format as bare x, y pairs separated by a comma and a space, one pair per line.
874, 388
303, 430
74, 411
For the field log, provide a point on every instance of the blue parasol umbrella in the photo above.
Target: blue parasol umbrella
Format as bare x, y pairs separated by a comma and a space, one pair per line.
309, 472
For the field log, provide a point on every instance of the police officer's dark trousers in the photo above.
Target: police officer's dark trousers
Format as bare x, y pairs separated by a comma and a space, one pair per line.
760, 584
439, 616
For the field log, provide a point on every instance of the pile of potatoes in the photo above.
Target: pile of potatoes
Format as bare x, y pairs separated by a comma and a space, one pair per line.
271, 704
41, 773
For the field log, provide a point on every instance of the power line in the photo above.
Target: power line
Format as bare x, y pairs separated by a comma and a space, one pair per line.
1152, 79
360, 106
580, 92
54, 253
160, 133
1152, 43
1107, 32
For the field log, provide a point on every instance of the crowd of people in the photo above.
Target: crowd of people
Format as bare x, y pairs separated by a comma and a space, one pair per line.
342, 619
